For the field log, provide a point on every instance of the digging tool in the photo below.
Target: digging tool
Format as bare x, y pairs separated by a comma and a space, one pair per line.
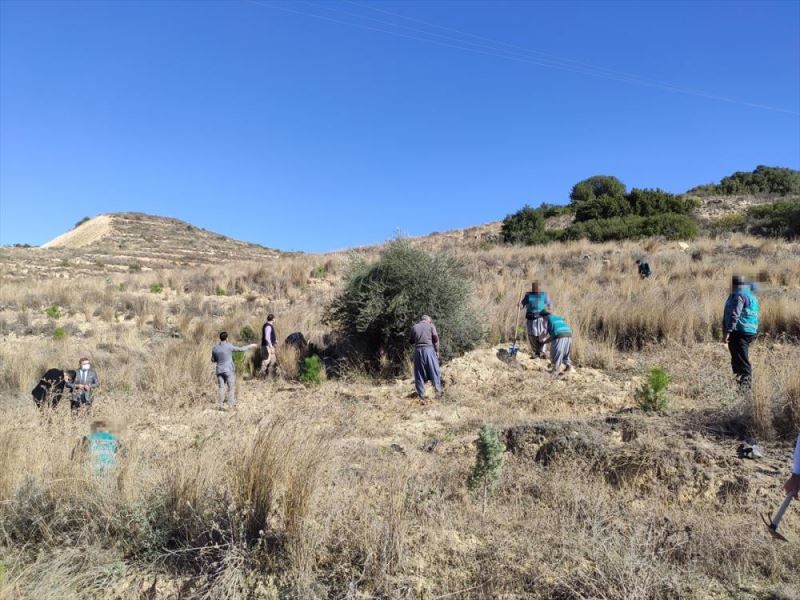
772, 524
512, 352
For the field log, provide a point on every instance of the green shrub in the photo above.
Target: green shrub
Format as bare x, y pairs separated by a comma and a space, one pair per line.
554, 210
669, 225
319, 272
53, 312
248, 335
728, 223
313, 371
81, 222
156, 288
134, 267
778, 219
221, 291
59, 333
604, 207
382, 300
763, 180
650, 202
652, 395
488, 460
596, 187
244, 363
523, 227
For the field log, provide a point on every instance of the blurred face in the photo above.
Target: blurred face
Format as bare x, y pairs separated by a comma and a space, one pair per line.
85, 365
67, 376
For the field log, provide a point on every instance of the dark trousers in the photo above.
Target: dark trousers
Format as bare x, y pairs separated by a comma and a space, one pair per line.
739, 347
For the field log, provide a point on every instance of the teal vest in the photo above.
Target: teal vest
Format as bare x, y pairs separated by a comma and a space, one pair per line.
557, 326
103, 451
748, 321
536, 302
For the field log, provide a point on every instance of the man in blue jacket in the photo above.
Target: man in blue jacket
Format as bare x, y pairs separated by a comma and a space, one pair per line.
740, 327
559, 336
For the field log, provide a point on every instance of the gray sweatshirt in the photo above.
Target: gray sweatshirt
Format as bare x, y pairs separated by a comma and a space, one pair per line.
222, 354
424, 334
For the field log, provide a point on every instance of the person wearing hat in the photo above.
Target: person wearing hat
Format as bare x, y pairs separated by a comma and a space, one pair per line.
426, 356
559, 336
740, 328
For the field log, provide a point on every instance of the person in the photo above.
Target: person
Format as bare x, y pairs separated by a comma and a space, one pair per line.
83, 386
534, 303
268, 342
50, 389
644, 268
792, 485
740, 327
426, 357
222, 355
100, 447
559, 336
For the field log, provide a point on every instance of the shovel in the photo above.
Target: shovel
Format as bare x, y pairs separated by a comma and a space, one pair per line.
512, 352
772, 524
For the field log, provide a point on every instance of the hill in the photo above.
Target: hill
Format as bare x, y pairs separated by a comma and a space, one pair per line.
128, 242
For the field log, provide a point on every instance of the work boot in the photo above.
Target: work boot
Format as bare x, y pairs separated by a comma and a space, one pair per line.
439, 395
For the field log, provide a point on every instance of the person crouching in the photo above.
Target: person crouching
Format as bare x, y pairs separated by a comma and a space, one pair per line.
559, 336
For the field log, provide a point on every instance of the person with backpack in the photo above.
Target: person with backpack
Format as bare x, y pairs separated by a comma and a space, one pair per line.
559, 336
644, 268
269, 339
535, 303
50, 389
740, 328
222, 356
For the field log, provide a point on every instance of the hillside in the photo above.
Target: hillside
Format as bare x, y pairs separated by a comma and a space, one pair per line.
127, 242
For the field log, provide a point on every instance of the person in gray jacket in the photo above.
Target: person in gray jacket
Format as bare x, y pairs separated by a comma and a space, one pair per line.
83, 386
426, 357
222, 355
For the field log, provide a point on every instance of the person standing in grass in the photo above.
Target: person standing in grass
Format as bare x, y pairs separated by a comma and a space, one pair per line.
740, 328
535, 303
426, 357
559, 336
222, 356
83, 386
644, 268
268, 342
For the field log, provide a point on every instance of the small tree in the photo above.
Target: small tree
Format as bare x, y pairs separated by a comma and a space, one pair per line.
525, 226
382, 300
488, 462
313, 370
652, 395
597, 187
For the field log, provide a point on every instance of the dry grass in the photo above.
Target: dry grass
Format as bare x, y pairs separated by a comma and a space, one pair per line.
350, 489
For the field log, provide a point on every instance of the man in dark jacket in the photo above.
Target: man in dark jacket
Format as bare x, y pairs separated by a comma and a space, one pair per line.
644, 269
50, 388
740, 328
83, 386
269, 339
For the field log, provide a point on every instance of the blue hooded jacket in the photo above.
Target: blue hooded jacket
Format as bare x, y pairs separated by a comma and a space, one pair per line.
741, 311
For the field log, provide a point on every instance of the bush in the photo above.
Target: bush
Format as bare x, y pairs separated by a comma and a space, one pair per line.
382, 300
763, 180
59, 333
81, 222
313, 371
596, 187
156, 288
605, 207
778, 219
523, 227
728, 223
488, 461
53, 312
221, 291
652, 396
248, 335
647, 202
669, 225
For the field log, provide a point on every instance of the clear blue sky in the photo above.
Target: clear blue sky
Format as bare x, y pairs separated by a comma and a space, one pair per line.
262, 122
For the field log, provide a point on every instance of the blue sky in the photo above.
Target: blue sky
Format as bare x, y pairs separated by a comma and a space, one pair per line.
264, 122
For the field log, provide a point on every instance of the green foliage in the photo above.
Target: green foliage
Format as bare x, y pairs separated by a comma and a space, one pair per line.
81, 222
248, 335
53, 312
650, 202
596, 187
763, 180
669, 225
134, 267
554, 210
122, 287
652, 395
382, 300
59, 333
604, 207
319, 272
525, 226
778, 219
243, 361
221, 291
488, 461
313, 370
728, 223
156, 288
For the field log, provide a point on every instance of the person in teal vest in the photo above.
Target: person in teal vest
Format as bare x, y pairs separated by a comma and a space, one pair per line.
559, 336
100, 448
535, 302
740, 328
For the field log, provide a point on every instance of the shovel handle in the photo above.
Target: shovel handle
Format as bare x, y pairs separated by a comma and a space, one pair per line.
776, 520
